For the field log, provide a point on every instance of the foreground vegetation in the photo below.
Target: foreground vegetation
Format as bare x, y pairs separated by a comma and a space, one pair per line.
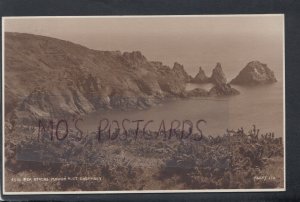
234, 160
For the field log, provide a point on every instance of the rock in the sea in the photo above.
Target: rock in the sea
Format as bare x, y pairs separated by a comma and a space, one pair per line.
200, 77
255, 73
197, 92
223, 90
218, 76
181, 73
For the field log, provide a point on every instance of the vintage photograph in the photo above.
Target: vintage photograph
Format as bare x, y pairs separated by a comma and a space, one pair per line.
130, 104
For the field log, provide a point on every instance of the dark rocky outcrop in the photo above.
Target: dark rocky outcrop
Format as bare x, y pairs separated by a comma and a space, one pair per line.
181, 73
255, 73
218, 76
197, 92
135, 58
169, 82
223, 90
200, 77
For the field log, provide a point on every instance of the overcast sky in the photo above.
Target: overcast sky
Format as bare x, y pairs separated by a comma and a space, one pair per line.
192, 41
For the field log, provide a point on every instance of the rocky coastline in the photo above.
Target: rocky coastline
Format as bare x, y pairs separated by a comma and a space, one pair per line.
57, 77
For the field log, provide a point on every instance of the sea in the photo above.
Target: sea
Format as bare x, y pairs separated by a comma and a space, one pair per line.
259, 106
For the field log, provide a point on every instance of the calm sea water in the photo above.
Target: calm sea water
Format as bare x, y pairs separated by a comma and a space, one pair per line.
261, 105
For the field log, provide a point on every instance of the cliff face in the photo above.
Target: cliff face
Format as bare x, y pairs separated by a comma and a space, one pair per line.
47, 77
255, 73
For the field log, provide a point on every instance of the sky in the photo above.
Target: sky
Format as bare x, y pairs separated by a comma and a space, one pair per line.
193, 41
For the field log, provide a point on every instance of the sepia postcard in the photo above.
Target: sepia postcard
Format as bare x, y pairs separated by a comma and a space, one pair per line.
143, 104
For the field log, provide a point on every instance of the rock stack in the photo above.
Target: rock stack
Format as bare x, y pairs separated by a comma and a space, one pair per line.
255, 73
221, 88
178, 69
200, 77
